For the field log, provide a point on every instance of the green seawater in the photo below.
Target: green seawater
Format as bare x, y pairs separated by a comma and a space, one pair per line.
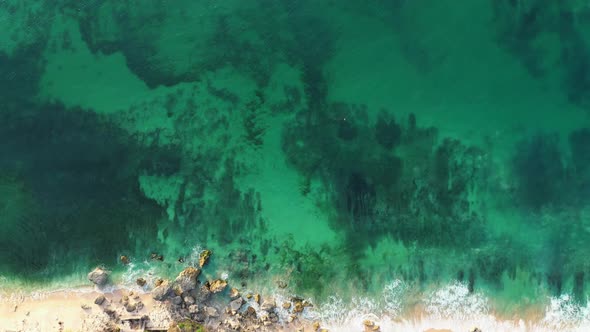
351, 149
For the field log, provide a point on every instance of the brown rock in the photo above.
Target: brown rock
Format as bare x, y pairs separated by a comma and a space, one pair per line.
257, 298
217, 285
141, 282
187, 279
125, 260
234, 293
281, 284
316, 326
370, 326
286, 305
161, 292
158, 282
99, 300
204, 257
298, 307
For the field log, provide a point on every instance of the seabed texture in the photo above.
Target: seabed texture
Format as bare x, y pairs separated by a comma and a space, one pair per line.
416, 164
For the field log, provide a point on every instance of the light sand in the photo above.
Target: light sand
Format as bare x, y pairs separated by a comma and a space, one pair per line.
60, 311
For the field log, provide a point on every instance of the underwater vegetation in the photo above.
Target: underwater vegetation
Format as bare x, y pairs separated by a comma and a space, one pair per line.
77, 174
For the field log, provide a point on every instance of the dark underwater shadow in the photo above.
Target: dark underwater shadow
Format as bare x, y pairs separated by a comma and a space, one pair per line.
71, 197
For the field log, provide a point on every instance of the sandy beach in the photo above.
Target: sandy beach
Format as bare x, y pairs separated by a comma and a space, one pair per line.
72, 310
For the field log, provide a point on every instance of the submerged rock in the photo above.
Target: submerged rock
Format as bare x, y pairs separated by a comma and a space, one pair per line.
161, 292
157, 257
125, 260
204, 257
141, 282
99, 276
187, 279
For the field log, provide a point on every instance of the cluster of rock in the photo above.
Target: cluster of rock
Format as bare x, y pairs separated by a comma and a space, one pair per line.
211, 304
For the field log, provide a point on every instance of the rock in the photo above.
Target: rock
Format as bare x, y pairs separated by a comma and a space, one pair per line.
475, 329
193, 308
257, 298
298, 307
273, 317
130, 307
187, 279
157, 257
99, 276
370, 326
217, 285
177, 300
99, 300
174, 328
141, 282
201, 294
234, 293
250, 312
316, 326
281, 284
161, 292
158, 282
232, 323
236, 304
204, 257
268, 305
125, 260
211, 312
286, 305
85, 306
140, 305
189, 300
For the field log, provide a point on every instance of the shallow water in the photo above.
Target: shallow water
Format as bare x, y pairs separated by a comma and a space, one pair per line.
340, 147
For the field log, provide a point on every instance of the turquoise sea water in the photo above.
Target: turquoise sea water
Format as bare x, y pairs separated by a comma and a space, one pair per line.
380, 150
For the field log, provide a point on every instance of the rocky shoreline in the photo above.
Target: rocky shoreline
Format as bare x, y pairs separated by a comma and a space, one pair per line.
190, 304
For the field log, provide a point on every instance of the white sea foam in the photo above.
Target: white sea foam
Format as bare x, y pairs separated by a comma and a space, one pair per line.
454, 301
